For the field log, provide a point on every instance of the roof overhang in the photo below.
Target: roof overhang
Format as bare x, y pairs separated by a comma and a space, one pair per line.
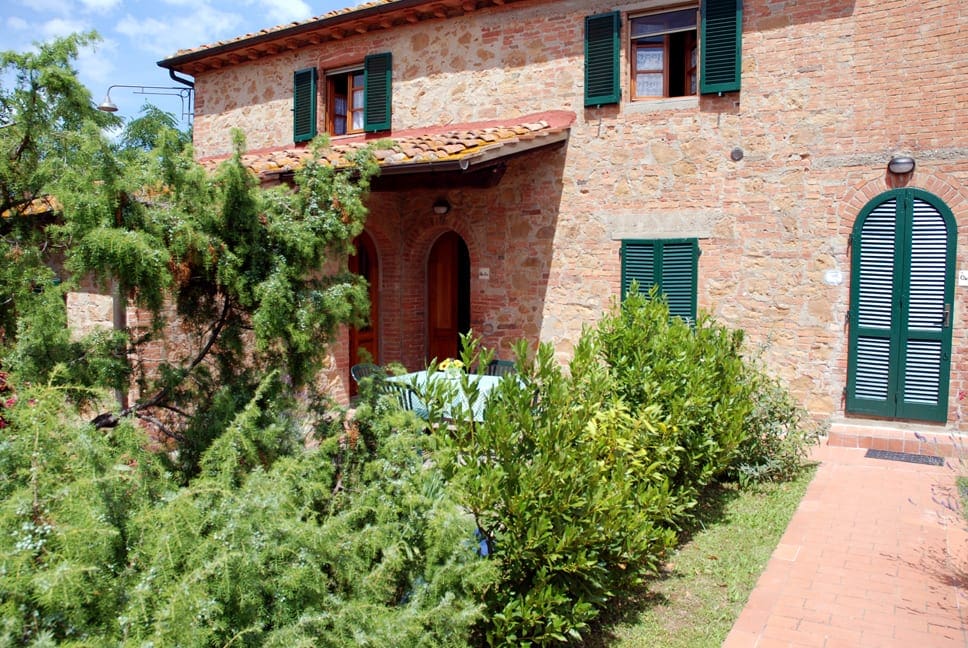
334, 26
471, 155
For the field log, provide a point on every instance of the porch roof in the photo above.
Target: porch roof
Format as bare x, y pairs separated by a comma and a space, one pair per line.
469, 154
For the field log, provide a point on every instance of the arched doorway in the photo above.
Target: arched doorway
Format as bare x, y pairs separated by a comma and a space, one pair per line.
901, 293
364, 344
448, 296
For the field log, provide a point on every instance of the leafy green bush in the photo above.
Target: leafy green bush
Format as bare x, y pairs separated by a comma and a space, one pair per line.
67, 493
569, 491
694, 374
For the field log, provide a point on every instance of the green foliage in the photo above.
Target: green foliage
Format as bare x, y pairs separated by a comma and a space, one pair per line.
66, 496
569, 492
147, 131
271, 544
695, 376
255, 275
46, 350
779, 433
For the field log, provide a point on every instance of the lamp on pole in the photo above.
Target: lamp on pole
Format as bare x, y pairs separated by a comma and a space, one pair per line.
186, 95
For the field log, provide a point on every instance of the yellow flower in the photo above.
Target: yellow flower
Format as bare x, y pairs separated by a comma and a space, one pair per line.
450, 363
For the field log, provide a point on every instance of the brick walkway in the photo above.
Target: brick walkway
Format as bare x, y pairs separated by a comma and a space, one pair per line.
872, 557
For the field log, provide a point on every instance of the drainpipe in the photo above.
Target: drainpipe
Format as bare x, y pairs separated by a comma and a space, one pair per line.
182, 80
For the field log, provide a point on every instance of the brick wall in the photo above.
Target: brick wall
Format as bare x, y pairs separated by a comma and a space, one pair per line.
830, 91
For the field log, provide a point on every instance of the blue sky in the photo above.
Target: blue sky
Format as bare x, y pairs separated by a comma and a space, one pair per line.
136, 35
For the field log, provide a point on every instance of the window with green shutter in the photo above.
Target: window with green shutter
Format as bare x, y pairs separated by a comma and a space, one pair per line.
672, 264
602, 84
677, 52
377, 75
721, 45
304, 105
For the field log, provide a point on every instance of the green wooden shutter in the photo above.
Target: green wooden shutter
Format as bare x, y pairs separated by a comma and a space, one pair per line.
926, 337
672, 264
601, 59
720, 43
377, 92
871, 383
304, 105
677, 277
638, 264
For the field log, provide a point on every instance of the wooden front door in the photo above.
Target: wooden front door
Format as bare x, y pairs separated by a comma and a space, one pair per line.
448, 296
902, 290
363, 341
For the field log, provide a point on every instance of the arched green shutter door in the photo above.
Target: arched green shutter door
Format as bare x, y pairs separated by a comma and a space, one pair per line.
902, 289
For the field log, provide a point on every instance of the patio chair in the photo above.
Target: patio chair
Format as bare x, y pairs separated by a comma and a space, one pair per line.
364, 369
500, 367
404, 396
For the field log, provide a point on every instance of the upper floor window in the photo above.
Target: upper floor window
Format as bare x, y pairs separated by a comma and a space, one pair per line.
664, 54
670, 55
357, 99
344, 102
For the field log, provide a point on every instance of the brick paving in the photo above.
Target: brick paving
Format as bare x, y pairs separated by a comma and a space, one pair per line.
873, 556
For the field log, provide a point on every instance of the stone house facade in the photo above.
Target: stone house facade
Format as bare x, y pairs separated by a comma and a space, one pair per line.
543, 153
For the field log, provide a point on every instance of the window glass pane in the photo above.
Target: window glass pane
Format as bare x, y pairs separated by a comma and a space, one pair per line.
664, 23
358, 120
648, 58
648, 85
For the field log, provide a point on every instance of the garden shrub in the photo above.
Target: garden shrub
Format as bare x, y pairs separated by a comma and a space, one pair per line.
779, 432
67, 494
692, 372
569, 490
342, 544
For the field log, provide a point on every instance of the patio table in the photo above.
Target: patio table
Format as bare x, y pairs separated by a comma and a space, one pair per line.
419, 380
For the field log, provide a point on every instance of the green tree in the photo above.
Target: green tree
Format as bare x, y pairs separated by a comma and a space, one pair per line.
254, 278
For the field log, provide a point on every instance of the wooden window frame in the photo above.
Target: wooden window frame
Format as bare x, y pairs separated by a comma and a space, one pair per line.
345, 77
690, 47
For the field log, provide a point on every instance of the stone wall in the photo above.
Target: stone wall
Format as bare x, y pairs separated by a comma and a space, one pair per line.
830, 91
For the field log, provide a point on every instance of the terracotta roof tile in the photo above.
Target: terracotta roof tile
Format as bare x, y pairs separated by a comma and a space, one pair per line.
279, 28
415, 147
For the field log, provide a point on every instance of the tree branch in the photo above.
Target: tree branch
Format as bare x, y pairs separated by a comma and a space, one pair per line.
162, 427
110, 419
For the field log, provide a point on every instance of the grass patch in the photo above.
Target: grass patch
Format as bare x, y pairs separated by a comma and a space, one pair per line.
703, 587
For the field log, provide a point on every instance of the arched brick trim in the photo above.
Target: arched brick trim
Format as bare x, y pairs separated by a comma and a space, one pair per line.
941, 185
336, 375
417, 246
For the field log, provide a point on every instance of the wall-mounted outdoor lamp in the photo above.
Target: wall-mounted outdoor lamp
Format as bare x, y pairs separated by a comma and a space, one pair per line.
901, 165
441, 206
184, 93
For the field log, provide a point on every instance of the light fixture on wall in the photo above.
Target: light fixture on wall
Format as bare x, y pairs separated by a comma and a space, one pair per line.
901, 165
441, 206
186, 94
